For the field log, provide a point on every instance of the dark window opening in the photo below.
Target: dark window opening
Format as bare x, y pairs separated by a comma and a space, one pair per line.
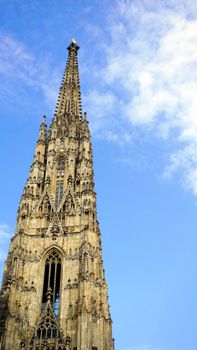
52, 276
49, 333
54, 334
59, 191
45, 288
60, 181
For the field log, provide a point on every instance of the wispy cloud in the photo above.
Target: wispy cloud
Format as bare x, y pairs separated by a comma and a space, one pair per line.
19, 63
4, 232
144, 77
151, 78
5, 236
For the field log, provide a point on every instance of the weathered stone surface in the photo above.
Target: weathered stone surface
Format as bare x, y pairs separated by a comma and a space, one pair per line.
57, 230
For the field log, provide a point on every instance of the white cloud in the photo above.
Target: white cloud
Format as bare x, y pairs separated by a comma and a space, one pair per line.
104, 124
148, 81
185, 159
4, 232
18, 63
5, 237
155, 66
96, 100
150, 71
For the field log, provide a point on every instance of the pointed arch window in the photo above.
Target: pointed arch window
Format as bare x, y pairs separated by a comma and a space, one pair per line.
52, 277
59, 191
60, 181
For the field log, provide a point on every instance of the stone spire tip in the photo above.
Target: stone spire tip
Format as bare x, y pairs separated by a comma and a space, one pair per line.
44, 119
73, 45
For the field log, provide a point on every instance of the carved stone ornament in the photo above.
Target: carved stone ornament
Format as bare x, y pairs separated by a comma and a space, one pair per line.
54, 293
48, 334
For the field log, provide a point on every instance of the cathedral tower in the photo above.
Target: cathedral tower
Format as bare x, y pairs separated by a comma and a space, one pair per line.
54, 293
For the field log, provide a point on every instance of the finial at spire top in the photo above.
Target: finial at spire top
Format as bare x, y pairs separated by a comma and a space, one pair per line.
73, 45
44, 119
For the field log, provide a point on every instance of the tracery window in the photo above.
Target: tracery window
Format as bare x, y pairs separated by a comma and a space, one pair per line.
52, 276
48, 334
48, 329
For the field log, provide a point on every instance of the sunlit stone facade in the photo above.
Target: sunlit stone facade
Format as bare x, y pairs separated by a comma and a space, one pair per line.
54, 293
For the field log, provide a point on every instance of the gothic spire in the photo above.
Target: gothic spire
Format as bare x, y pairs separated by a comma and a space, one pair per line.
54, 284
42, 131
69, 98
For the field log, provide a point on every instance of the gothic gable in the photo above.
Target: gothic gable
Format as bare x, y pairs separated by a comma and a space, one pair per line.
68, 203
46, 205
47, 333
55, 228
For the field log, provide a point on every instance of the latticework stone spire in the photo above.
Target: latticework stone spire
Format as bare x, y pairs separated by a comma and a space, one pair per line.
54, 293
69, 99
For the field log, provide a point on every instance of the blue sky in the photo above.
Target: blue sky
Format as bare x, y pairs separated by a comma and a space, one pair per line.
139, 83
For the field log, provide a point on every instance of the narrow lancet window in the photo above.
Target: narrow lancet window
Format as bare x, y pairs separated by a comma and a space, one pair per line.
60, 181
52, 277
59, 191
